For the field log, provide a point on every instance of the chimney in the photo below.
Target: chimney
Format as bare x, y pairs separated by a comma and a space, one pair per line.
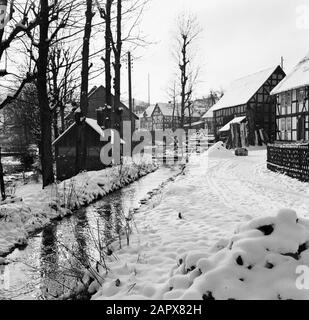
282, 63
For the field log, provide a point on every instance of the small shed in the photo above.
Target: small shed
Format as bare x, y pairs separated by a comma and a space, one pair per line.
65, 144
236, 132
65, 147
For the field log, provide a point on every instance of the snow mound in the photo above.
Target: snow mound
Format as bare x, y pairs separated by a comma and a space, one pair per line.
259, 262
13, 218
219, 151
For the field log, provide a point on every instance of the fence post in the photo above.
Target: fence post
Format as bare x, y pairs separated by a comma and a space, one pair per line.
2, 188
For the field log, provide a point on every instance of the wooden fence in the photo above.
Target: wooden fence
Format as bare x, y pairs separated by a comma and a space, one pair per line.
291, 159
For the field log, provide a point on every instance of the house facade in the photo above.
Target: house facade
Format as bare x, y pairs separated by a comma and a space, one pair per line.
163, 116
292, 110
250, 97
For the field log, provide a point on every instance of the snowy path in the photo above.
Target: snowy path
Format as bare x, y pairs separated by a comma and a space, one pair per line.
214, 196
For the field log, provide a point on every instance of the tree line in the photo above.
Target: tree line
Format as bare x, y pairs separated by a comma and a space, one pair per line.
48, 56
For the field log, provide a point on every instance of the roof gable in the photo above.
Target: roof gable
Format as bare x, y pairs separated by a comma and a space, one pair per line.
242, 90
149, 111
209, 113
101, 91
166, 109
299, 77
90, 122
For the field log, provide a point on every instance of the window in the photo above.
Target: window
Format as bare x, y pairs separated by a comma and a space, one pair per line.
283, 109
288, 124
306, 109
282, 124
301, 95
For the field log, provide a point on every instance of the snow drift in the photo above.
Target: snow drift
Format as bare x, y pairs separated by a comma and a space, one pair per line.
259, 262
219, 151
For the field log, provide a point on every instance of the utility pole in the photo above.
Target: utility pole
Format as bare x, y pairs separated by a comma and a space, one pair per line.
148, 89
130, 94
2, 189
282, 63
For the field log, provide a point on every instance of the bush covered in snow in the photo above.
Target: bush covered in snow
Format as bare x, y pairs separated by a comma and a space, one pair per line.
259, 262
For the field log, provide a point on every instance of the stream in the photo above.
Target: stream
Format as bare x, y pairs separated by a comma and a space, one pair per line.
51, 262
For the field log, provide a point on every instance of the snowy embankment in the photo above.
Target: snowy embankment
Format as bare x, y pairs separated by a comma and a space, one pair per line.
38, 207
186, 246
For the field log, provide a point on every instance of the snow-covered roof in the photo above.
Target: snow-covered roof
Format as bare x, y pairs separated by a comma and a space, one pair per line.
209, 113
167, 109
149, 110
298, 78
242, 90
91, 122
94, 125
227, 127
194, 124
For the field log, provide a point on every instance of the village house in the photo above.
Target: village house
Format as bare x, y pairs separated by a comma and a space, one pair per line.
249, 101
292, 112
208, 119
65, 144
146, 118
163, 116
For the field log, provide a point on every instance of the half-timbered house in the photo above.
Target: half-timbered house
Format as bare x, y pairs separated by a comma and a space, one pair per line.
250, 97
163, 116
292, 111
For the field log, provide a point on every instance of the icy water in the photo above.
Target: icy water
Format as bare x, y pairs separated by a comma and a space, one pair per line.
49, 265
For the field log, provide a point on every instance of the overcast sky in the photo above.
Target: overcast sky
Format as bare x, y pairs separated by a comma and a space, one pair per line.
239, 37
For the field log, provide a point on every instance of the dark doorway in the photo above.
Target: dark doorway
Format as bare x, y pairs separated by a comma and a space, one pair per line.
301, 125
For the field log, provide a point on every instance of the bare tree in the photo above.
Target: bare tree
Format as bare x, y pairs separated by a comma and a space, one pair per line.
17, 23
80, 142
187, 34
53, 18
120, 27
61, 82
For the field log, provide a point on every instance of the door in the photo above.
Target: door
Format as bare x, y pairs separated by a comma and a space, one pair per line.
301, 124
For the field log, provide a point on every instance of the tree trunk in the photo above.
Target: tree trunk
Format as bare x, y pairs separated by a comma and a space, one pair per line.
117, 54
45, 112
184, 79
117, 71
107, 59
62, 118
81, 148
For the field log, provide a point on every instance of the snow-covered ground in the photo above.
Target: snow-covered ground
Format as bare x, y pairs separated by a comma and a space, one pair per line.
175, 248
38, 207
